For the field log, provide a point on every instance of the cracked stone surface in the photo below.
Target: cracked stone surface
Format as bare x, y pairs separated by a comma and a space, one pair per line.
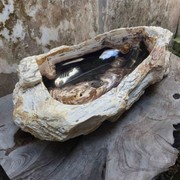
35, 111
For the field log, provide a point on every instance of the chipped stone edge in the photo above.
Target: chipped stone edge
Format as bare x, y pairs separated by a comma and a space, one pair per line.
49, 119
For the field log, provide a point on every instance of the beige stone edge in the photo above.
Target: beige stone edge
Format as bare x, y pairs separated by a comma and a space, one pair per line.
34, 114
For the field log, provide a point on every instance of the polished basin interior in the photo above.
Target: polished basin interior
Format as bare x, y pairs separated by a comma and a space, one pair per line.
85, 78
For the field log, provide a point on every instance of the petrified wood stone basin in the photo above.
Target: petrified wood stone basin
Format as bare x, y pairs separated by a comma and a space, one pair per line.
71, 90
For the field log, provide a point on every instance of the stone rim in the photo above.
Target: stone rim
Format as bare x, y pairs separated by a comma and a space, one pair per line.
123, 94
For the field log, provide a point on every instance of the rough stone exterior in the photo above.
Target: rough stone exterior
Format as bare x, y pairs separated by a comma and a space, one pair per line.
37, 112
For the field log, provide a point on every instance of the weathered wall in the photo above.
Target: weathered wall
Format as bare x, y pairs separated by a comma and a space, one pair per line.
31, 27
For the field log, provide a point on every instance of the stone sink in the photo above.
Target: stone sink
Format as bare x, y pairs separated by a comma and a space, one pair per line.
71, 90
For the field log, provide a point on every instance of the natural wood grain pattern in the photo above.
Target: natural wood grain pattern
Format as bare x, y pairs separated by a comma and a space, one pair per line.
138, 146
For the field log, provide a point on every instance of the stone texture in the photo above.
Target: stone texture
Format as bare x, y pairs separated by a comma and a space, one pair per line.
33, 27
7, 82
37, 112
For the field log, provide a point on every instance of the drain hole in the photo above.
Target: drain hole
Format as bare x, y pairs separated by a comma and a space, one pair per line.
176, 96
